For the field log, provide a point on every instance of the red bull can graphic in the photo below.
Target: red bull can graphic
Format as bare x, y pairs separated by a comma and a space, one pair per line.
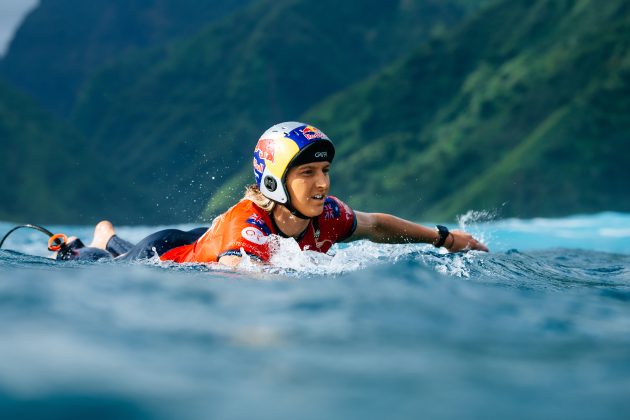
312, 133
266, 149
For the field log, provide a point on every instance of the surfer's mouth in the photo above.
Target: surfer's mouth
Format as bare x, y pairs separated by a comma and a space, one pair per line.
318, 197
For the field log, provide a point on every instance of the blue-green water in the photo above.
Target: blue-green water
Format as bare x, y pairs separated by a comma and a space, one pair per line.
539, 328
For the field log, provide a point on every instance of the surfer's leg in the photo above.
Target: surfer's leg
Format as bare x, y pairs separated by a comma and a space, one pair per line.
105, 238
103, 232
161, 242
118, 246
76, 250
105, 245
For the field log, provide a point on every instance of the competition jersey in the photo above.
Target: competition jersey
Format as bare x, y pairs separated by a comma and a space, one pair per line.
246, 226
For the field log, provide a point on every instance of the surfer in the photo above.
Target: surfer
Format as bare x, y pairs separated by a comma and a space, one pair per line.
290, 199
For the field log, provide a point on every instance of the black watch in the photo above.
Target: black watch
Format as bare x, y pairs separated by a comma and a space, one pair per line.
443, 232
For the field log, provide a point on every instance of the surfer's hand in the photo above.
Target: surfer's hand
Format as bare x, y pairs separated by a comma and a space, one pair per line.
461, 241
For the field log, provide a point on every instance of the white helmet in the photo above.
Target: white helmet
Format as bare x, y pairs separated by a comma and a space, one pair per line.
282, 147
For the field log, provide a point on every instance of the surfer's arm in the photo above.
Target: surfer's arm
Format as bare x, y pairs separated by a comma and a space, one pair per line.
230, 260
234, 260
385, 228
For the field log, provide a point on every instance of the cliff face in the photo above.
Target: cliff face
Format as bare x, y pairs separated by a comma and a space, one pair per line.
181, 119
435, 107
35, 172
521, 110
62, 42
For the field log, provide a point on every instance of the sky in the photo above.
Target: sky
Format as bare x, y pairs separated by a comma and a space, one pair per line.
11, 14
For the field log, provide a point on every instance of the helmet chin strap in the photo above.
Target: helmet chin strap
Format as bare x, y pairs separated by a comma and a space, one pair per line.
295, 212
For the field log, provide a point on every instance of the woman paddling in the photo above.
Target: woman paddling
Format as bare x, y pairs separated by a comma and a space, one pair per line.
290, 199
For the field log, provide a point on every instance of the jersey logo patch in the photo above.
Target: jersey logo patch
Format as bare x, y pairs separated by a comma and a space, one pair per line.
320, 244
331, 210
259, 222
312, 133
254, 235
266, 149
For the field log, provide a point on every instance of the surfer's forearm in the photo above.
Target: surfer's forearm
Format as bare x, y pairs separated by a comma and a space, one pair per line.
386, 228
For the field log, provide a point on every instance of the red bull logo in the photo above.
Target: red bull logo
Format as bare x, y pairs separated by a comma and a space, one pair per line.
258, 167
312, 133
266, 149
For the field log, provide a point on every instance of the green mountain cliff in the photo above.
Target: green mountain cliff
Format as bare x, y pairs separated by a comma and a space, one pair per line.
436, 107
34, 172
63, 42
522, 111
181, 119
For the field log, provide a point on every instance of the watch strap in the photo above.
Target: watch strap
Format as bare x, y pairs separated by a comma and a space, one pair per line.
443, 233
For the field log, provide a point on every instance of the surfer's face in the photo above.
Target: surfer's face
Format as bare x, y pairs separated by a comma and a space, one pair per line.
308, 187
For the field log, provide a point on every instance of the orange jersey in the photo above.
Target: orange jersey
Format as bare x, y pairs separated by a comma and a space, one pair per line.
248, 227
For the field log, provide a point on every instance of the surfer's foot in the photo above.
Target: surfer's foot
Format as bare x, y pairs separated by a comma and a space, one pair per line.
103, 232
67, 243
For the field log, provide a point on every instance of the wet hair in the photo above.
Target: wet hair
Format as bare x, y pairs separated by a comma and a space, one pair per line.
253, 194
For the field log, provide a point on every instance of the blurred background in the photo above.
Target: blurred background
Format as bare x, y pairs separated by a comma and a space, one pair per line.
147, 112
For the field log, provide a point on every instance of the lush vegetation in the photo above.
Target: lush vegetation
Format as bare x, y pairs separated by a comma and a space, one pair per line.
522, 111
436, 108
35, 172
182, 118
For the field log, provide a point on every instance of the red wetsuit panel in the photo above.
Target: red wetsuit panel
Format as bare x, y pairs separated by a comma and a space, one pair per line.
247, 226
336, 224
242, 226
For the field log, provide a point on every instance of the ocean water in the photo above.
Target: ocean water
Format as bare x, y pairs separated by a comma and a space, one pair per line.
537, 329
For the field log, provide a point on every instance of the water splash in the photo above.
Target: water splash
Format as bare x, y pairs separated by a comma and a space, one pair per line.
476, 216
476, 223
288, 259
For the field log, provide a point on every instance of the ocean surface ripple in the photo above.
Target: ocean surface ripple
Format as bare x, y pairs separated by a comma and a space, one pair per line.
539, 328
